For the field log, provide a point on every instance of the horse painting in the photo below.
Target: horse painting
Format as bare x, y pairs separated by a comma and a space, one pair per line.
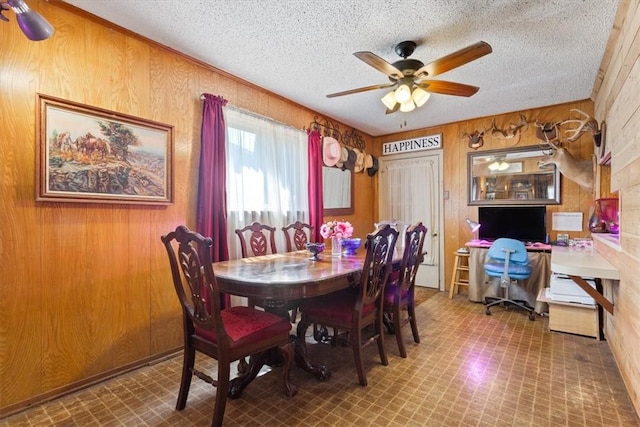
89, 145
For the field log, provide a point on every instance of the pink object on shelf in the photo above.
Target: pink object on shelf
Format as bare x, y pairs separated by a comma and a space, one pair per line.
609, 214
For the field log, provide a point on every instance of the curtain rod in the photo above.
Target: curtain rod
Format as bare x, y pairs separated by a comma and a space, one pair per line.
256, 115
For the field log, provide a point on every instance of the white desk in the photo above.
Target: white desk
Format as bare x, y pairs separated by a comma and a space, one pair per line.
584, 262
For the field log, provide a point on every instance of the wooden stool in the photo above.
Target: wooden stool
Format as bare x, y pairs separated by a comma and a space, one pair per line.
459, 278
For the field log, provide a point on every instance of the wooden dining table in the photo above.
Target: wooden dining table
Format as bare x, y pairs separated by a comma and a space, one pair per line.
282, 281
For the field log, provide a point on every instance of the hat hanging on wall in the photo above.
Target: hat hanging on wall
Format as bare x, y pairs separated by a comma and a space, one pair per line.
344, 155
350, 163
330, 151
368, 161
374, 167
359, 165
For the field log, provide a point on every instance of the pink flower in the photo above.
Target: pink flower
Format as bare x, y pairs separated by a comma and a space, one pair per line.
339, 229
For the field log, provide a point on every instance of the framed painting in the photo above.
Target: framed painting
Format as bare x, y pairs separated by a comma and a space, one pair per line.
92, 155
522, 195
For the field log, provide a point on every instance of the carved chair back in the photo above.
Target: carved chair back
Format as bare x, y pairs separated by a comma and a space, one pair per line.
297, 235
257, 239
412, 256
194, 281
377, 266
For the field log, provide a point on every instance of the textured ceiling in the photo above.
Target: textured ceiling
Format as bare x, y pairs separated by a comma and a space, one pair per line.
544, 51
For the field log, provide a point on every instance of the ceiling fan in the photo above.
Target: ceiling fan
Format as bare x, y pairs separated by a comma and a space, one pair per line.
411, 79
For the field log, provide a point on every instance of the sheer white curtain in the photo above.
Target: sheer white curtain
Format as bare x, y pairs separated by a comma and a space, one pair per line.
267, 175
413, 184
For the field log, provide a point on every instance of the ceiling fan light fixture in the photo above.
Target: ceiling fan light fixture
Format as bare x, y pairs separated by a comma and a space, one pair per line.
403, 93
498, 165
32, 24
389, 100
408, 106
420, 96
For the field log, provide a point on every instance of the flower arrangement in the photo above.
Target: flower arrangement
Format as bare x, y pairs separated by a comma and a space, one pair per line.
339, 229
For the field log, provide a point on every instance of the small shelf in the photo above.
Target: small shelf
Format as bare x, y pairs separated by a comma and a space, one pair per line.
611, 240
605, 159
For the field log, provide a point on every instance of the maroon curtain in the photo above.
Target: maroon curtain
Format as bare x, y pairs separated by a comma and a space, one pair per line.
211, 217
316, 203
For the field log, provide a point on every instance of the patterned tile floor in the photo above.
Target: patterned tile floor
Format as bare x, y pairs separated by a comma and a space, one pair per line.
469, 370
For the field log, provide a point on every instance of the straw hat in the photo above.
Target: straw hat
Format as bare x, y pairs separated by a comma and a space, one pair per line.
368, 161
359, 166
330, 151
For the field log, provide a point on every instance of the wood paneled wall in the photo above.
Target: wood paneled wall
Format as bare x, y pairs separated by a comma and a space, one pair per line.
455, 149
617, 100
85, 289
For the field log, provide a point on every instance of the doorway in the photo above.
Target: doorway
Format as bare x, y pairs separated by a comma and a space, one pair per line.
411, 190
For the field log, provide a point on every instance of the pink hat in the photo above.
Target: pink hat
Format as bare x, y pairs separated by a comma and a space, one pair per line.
331, 151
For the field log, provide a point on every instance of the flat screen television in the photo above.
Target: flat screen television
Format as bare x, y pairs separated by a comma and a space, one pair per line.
525, 223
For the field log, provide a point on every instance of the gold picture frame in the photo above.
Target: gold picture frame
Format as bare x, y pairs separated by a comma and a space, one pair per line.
92, 155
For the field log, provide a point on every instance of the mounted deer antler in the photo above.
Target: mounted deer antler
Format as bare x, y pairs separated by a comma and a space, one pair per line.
475, 139
547, 131
513, 130
588, 124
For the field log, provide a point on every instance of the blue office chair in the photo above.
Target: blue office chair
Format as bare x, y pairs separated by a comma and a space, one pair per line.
507, 260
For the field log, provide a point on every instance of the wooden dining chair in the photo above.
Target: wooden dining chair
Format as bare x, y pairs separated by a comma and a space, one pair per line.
352, 310
399, 292
227, 334
257, 239
297, 235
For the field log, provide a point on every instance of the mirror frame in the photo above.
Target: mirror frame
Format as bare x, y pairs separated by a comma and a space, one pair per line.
348, 210
519, 152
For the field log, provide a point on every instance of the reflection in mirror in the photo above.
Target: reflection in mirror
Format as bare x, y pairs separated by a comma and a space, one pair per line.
337, 191
511, 176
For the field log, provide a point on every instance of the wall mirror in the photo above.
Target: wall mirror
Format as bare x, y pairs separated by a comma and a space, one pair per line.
511, 177
337, 191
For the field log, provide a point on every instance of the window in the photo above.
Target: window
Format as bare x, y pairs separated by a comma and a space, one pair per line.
267, 175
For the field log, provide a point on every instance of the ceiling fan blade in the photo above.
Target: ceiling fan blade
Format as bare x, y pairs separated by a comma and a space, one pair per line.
448, 88
361, 89
393, 110
380, 64
454, 60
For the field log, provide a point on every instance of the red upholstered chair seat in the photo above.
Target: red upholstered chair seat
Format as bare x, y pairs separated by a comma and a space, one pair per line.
337, 307
245, 325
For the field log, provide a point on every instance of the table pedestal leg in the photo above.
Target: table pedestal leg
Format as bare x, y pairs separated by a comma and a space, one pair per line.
247, 374
302, 360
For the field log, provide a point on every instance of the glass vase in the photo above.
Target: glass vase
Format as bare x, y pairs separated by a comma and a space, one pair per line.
336, 247
596, 224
